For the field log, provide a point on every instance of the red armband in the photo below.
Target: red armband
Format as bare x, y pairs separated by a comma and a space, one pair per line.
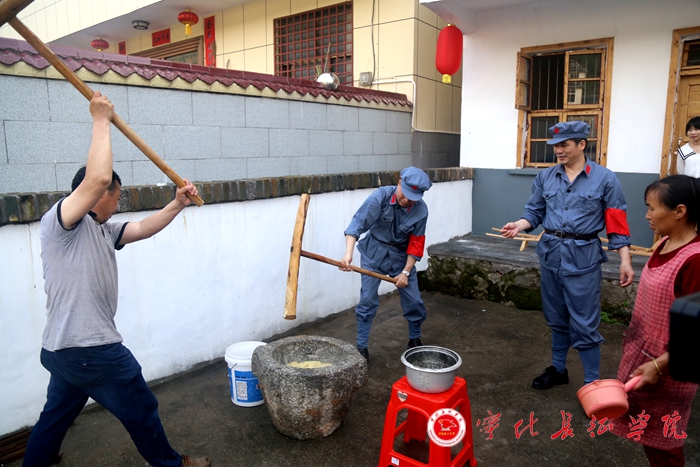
616, 222
416, 245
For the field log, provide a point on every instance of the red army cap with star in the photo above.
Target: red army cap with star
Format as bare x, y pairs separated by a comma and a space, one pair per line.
569, 130
414, 182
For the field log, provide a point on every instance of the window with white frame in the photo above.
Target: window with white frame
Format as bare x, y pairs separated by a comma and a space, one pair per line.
565, 83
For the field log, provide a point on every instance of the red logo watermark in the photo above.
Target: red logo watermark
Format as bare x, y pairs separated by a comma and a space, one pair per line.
446, 427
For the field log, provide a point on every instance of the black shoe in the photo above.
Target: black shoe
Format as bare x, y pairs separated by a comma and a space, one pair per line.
550, 377
414, 343
364, 352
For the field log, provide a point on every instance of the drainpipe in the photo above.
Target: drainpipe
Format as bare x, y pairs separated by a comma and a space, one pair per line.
413, 107
403, 80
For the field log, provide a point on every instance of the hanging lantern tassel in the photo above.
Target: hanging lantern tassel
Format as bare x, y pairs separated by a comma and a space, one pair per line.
188, 18
448, 56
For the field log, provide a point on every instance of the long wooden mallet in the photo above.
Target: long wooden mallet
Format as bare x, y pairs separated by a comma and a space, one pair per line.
290, 302
85, 90
11, 8
366, 272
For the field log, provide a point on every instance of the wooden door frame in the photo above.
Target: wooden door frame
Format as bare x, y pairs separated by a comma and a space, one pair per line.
674, 79
606, 92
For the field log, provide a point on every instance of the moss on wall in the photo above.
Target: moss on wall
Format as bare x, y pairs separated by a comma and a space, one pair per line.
497, 282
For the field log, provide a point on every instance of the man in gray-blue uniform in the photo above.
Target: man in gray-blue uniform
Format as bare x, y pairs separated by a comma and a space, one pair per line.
394, 218
574, 200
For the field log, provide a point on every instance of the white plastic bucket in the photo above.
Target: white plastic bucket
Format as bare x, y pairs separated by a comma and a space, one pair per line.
243, 384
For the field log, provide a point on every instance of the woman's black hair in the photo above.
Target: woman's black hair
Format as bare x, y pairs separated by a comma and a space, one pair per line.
693, 123
678, 189
80, 175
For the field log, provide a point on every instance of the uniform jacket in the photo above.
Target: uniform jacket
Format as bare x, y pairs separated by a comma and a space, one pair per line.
391, 228
592, 202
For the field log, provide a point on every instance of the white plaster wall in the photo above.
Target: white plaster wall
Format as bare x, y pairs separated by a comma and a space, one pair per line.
642, 30
214, 277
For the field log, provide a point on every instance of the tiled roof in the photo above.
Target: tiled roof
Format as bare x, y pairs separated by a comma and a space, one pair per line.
12, 51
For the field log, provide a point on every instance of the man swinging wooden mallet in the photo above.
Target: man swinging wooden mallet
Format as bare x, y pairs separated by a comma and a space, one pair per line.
394, 219
81, 346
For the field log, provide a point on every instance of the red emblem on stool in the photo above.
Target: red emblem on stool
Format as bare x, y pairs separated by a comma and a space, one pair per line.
446, 427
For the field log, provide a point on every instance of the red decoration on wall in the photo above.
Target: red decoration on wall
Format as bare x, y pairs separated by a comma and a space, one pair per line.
160, 37
188, 18
209, 42
448, 56
99, 44
122, 47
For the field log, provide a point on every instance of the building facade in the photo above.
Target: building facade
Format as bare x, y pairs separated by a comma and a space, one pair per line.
627, 67
386, 45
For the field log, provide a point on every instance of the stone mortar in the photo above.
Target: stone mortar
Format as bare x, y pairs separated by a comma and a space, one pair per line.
308, 403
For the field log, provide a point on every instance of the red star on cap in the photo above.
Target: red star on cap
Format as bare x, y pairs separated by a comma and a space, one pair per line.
414, 187
556, 131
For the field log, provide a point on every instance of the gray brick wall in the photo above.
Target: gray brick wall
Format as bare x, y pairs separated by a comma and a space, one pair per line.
325, 143
357, 142
433, 149
3, 146
245, 142
307, 116
385, 143
398, 122
263, 112
45, 131
342, 118
24, 99
372, 120
218, 110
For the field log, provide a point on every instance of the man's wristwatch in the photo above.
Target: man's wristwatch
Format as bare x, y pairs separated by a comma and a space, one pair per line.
408, 273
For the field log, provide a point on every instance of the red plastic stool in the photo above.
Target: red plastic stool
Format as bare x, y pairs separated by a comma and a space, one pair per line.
420, 406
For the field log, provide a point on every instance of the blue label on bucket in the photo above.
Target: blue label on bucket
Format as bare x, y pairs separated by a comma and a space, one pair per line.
244, 386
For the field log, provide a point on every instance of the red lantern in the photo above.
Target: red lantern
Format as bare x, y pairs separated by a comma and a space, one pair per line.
99, 44
188, 18
448, 56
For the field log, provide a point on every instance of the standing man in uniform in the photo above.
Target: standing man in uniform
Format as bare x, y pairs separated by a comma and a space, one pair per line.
574, 200
394, 218
81, 346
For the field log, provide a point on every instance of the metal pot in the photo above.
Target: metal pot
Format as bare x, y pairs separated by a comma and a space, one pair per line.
431, 369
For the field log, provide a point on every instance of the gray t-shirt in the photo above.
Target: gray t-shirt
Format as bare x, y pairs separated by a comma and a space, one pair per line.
80, 280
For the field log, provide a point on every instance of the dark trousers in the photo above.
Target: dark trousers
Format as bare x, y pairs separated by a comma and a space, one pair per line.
112, 377
661, 458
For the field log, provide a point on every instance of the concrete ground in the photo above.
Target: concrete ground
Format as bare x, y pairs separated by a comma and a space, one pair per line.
502, 350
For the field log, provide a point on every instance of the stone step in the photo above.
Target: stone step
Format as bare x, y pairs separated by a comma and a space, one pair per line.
494, 269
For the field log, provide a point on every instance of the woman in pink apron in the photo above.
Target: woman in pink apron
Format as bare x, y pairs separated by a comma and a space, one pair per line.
659, 405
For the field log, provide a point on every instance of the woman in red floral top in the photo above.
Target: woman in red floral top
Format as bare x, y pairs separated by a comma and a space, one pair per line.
659, 405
